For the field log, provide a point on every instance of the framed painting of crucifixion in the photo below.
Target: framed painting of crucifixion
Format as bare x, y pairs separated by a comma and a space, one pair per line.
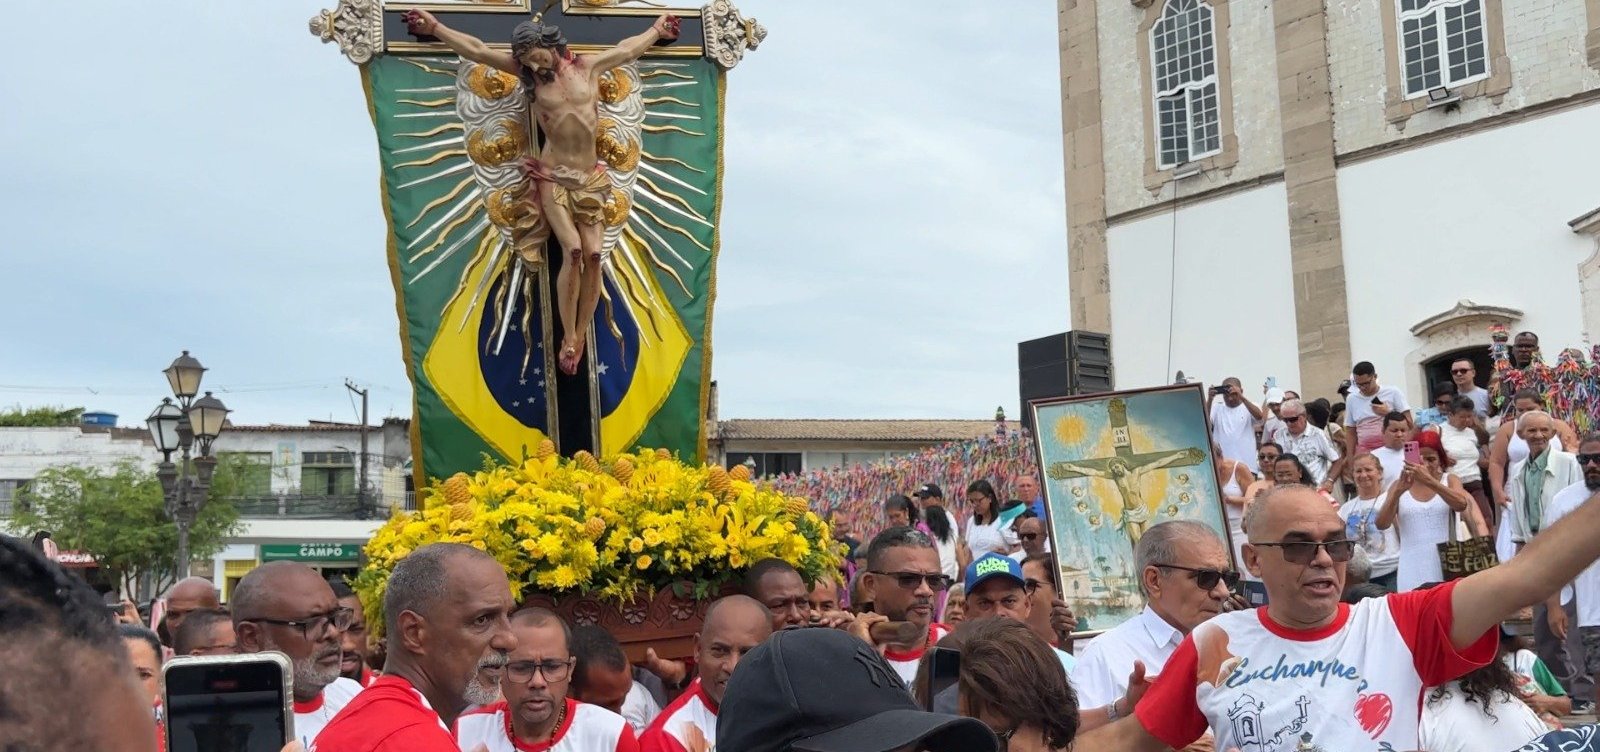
1115, 464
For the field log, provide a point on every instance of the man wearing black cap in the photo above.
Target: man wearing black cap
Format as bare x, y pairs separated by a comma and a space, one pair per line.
818, 690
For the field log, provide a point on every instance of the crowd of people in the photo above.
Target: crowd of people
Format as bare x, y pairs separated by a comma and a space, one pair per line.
1321, 618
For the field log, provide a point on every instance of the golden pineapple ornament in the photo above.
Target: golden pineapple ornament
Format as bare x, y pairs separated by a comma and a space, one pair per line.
586, 461
796, 506
594, 528
718, 481
622, 469
455, 490
546, 450
740, 473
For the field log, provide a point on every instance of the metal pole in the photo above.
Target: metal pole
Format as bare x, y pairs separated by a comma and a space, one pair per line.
361, 480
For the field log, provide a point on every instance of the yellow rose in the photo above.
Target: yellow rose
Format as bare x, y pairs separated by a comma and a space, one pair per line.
643, 562
636, 545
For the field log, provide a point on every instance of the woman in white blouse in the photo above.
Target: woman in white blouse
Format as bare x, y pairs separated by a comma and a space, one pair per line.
1479, 711
984, 533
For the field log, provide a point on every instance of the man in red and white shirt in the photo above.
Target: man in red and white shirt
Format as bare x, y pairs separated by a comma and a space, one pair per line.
286, 606
536, 714
734, 626
446, 617
1309, 672
904, 579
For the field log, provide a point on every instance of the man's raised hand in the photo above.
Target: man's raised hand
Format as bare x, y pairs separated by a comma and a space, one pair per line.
421, 23
667, 25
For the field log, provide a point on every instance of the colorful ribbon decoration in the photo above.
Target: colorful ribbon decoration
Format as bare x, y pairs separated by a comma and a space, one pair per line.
1570, 388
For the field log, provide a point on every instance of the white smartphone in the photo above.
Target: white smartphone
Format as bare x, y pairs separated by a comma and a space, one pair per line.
229, 703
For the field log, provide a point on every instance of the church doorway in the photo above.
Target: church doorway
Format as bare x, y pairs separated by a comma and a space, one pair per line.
1436, 371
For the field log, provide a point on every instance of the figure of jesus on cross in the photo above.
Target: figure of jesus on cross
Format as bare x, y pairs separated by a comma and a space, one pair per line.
1126, 469
572, 186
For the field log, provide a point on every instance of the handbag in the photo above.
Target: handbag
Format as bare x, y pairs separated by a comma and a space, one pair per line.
1462, 555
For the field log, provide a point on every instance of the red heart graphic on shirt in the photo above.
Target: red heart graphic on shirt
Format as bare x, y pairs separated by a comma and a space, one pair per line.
1374, 713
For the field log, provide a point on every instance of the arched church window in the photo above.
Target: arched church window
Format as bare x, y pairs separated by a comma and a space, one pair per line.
1441, 44
1184, 56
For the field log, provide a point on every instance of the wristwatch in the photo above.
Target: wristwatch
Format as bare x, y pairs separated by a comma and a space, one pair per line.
1111, 710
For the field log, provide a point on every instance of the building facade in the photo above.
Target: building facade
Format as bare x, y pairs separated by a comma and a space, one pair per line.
302, 494
1282, 189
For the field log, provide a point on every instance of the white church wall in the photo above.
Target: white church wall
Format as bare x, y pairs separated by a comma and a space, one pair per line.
1482, 217
1233, 314
1253, 71
1544, 48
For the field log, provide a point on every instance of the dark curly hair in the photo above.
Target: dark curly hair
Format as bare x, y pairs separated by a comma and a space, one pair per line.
1011, 672
50, 619
1482, 685
528, 35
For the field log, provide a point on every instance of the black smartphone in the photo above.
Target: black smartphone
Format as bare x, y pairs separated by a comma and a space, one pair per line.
229, 703
944, 666
1377, 401
1220, 390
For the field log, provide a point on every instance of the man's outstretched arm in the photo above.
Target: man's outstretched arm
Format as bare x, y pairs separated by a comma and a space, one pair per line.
634, 47
1551, 560
422, 23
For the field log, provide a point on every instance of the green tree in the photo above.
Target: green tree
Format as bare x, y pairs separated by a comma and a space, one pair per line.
119, 515
40, 417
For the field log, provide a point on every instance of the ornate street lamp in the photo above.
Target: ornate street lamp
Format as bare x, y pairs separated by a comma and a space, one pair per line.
177, 427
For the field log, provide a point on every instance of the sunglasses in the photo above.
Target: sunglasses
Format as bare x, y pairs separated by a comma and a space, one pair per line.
1584, 459
1461, 370
1035, 536
1267, 456
1293, 418
1304, 552
1207, 579
1442, 401
938, 583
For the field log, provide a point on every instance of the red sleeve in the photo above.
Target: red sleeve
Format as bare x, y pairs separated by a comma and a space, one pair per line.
418, 737
1168, 711
1424, 618
656, 739
627, 742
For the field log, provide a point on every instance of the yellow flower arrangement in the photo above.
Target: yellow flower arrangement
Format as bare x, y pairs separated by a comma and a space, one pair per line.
624, 528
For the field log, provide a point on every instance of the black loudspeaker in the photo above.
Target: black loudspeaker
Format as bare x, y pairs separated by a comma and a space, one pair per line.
1062, 365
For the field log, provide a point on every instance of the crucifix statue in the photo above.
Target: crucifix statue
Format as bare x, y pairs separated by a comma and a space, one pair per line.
569, 178
1125, 468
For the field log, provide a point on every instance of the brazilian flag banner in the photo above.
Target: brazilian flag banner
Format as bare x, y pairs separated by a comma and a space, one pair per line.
472, 285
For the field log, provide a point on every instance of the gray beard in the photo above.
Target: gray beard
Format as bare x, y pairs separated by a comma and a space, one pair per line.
309, 679
477, 694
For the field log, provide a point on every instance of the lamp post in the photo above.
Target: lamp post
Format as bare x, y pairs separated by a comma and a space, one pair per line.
189, 425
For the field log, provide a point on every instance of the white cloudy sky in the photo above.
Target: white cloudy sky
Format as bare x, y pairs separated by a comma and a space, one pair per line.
202, 175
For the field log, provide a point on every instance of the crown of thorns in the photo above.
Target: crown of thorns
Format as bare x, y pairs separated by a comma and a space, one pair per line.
529, 34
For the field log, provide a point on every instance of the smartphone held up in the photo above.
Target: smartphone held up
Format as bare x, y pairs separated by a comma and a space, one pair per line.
229, 703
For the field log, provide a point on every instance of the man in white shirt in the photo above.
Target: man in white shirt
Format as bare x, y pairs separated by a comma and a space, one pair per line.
1310, 443
603, 677
1031, 534
1233, 422
1309, 670
286, 606
1584, 602
1465, 376
1174, 561
536, 712
1366, 407
1392, 454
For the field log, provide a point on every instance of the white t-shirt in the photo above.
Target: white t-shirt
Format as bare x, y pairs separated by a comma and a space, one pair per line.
992, 538
905, 661
1101, 675
1361, 525
639, 708
1462, 446
1393, 461
1355, 684
1358, 411
1234, 429
1480, 400
1454, 724
1586, 588
587, 728
310, 718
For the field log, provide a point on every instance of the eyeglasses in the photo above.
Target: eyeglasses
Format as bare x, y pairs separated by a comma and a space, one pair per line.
1030, 537
1293, 418
338, 618
1442, 401
1031, 586
1303, 552
522, 672
911, 580
1207, 578
1461, 370
1584, 459
1266, 456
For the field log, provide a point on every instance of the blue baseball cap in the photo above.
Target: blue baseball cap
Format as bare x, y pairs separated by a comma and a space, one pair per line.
989, 566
